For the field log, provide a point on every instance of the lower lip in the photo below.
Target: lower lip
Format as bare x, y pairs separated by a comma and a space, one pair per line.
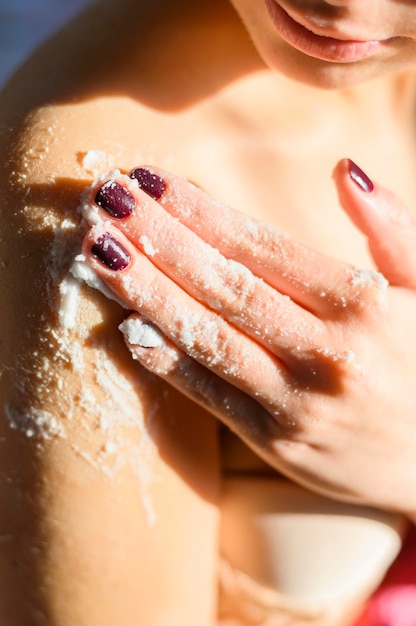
316, 46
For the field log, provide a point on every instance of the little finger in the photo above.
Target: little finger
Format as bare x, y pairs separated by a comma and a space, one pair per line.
241, 413
198, 331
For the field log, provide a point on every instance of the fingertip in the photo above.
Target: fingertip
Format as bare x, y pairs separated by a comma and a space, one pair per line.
151, 181
348, 173
106, 248
365, 202
149, 346
340, 170
359, 177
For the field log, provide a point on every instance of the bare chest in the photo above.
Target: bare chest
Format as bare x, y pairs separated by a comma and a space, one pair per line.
294, 190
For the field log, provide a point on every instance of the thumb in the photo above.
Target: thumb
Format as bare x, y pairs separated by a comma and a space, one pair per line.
383, 219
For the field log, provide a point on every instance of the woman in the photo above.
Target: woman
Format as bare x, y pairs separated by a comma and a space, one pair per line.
112, 480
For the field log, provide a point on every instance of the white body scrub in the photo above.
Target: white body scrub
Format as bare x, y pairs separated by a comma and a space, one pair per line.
140, 333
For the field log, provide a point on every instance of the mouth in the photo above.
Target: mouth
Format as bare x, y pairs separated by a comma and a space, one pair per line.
318, 46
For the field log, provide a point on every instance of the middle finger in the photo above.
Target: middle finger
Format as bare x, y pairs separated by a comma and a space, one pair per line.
222, 284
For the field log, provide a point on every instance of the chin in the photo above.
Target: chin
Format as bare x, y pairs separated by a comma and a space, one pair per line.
323, 74
333, 78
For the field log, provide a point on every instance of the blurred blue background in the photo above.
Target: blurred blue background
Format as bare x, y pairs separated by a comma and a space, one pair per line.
25, 23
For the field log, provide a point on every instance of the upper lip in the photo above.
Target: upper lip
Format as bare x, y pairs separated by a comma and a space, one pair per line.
321, 26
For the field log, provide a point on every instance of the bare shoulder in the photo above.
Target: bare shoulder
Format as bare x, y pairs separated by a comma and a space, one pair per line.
84, 118
86, 435
65, 364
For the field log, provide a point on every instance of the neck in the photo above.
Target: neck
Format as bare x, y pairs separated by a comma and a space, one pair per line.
394, 94
266, 97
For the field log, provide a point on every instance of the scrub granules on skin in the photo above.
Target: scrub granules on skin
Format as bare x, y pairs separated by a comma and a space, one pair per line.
36, 424
96, 162
78, 392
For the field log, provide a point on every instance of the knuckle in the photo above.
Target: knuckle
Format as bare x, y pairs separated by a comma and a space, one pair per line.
360, 291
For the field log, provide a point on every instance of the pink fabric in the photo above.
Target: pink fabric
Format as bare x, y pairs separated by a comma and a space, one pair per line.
394, 603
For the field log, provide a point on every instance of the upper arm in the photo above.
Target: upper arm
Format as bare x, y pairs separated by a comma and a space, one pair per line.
108, 478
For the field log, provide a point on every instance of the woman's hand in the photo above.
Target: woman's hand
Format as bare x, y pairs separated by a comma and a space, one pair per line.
311, 361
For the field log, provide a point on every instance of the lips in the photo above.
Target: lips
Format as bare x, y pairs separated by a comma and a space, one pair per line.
334, 50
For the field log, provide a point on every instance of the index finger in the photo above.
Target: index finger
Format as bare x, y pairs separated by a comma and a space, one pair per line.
315, 281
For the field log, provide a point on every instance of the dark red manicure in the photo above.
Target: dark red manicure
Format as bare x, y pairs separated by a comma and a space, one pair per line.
150, 183
115, 199
111, 253
359, 177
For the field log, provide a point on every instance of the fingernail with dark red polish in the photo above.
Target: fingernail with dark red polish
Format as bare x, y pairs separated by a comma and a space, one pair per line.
150, 183
360, 178
111, 253
115, 199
